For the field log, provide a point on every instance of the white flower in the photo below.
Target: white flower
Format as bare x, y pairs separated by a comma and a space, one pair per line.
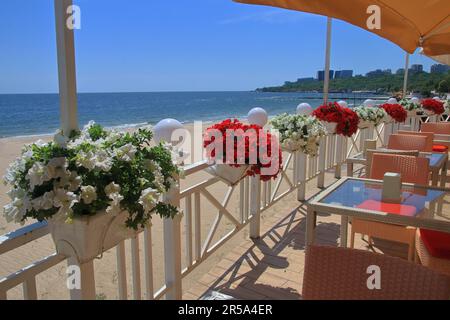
13, 171
114, 205
112, 188
65, 201
126, 152
45, 202
88, 194
103, 161
149, 199
60, 139
37, 175
16, 210
86, 160
57, 167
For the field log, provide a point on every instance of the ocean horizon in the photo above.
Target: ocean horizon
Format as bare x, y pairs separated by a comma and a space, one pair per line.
38, 114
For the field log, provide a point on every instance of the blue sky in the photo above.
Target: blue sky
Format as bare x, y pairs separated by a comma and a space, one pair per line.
180, 45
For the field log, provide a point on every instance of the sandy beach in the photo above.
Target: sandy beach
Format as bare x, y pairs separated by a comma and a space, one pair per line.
51, 283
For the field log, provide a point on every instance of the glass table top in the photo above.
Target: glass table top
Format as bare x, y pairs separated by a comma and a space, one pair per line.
415, 201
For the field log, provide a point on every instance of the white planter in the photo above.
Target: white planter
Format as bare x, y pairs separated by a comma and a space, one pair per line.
330, 126
89, 236
230, 175
388, 119
429, 113
363, 124
412, 113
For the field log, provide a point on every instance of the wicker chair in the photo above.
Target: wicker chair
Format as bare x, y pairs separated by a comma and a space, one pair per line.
436, 128
441, 265
428, 135
408, 142
412, 170
371, 152
342, 274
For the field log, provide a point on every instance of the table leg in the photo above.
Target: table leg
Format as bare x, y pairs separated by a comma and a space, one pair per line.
349, 169
444, 175
310, 226
434, 177
344, 231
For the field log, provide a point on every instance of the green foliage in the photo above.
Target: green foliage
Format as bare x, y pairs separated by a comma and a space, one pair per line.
419, 82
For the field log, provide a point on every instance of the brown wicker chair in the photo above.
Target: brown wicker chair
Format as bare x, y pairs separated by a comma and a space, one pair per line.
407, 142
436, 128
428, 135
342, 274
371, 152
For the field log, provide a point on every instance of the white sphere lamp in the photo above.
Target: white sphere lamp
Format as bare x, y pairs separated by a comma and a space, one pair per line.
304, 109
392, 101
164, 130
258, 116
343, 104
437, 98
369, 103
415, 100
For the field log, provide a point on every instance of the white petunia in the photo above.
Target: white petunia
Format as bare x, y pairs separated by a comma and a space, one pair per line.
86, 160
65, 201
149, 199
45, 202
114, 205
88, 194
126, 152
57, 167
112, 188
60, 139
16, 210
37, 175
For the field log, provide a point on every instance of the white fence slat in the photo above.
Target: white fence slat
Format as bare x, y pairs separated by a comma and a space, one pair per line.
87, 290
255, 207
136, 268
148, 263
197, 227
29, 289
188, 229
122, 271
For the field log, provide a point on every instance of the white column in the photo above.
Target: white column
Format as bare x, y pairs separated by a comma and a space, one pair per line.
66, 67
405, 80
326, 83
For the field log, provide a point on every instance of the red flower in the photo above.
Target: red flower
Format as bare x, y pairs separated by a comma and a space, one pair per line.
250, 145
433, 105
396, 111
347, 120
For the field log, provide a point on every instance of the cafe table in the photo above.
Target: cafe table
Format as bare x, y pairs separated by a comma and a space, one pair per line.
438, 165
425, 207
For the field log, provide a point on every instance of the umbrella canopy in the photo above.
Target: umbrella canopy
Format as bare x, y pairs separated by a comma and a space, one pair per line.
445, 59
409, 24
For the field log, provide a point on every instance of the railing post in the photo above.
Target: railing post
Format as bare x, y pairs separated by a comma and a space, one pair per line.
387, 132
301, 174
322, 158
255, 207
172, 251
86, 282
339, 143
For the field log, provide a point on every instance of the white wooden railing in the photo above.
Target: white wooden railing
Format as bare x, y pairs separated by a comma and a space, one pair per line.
254, 198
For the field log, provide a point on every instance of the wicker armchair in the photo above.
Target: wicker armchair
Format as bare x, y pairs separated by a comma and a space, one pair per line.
436, 128
428, 135
408, 142
423, 256
412, 170
342, 274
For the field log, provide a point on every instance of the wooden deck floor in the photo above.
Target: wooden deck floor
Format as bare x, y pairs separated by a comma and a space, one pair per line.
272, 266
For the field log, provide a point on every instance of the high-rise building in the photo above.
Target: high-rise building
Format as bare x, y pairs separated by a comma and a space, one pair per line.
321, 75
416, 68
378, 72
439, 68
343, 74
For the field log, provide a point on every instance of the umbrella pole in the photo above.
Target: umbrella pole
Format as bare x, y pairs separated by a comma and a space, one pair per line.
405, 79
326, 82
66, 68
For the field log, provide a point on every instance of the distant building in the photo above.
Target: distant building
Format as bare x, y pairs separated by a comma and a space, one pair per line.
378, 73
440, 68
321, 75
343, 74
400, 71
416, 68
300, 80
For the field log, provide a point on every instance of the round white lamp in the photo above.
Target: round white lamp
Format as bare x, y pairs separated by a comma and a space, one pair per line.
437, 98
369, 103
163, 131
392, 101
415, 100
258, 116
343, 104
304, 109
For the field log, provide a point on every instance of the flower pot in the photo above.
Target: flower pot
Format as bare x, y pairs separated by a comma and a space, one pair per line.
330, 126
89, 236
228, 174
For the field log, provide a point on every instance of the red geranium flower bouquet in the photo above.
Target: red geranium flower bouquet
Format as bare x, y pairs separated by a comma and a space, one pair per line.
432, 106
236, 150
395, 111
338, 119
